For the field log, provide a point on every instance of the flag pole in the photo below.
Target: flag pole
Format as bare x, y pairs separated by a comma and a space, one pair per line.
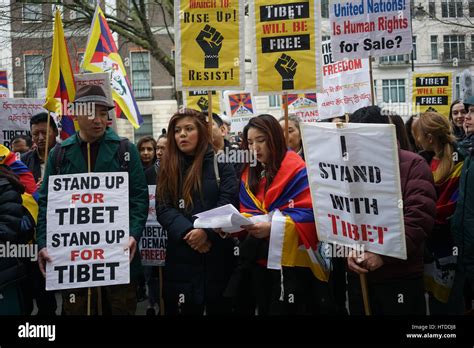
285, 111
372, 96
209, 113
46, 149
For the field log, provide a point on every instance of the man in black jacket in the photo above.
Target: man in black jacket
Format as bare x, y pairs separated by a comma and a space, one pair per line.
34, 159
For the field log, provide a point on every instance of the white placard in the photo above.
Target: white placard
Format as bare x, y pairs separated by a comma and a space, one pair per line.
346, 85
355, 186
87, 230
369, 27
15, 115
155, 237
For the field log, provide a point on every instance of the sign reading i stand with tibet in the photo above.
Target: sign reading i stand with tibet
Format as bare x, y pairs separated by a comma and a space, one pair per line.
354, 179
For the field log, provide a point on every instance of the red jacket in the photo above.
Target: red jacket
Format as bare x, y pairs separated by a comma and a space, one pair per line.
419, 210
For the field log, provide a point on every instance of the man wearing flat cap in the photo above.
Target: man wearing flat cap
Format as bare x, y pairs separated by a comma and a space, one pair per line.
106, 155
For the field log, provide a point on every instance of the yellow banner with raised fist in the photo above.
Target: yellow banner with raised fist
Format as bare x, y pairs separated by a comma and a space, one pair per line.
209, 44
285, 41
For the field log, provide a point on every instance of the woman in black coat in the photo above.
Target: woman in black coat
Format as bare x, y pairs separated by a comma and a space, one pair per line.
11, 214
198, 261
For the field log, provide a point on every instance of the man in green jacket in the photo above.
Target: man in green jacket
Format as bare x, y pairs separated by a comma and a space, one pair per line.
104, 152
463, 219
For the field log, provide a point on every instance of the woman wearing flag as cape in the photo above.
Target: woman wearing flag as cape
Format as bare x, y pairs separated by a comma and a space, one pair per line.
279, 258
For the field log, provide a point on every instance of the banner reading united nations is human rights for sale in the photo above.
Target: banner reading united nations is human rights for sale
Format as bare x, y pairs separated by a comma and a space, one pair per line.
285, 38
209, 44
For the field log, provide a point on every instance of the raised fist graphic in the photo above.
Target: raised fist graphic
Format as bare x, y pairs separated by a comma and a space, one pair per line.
286, 67
203, 104
210, 41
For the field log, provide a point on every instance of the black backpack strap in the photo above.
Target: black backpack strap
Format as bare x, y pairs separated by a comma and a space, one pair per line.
124, 154
58, 156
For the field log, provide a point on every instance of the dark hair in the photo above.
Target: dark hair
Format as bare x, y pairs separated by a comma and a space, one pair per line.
217, 119
369, 114
173, 183
402, 136
43, 117
26, 138
148, 139
162, 136
408, 126
275, 140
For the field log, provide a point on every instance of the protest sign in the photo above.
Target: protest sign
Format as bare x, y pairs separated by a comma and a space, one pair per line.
346, 84
303, 106
364, 28
240, 107
432, 92
15, 115
209, 44
4, 84
285, 36
198, 100
154, 238
355, 186
87, 230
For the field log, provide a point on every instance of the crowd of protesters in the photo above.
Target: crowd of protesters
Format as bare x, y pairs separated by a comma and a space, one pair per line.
203, 273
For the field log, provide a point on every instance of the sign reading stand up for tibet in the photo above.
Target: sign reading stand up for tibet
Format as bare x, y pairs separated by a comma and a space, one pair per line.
209, 44
284, 45
355, 186
369, 27
87, 230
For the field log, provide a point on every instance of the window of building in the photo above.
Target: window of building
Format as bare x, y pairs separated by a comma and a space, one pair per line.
131, 8
434, 47
454, 47
141, 77
413, 53
432, 8
146, 129
471, 8
393, 91
274, 101
392, 59
32, 12
325, 8
451, 8
34, 75
80, 14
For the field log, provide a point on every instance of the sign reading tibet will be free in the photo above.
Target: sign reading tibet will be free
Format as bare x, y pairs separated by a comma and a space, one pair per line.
432, 92
87, 230
369, 27
209, 44
284, 46
355, 186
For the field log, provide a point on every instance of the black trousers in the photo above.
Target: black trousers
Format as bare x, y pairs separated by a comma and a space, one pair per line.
302, 293
402, 297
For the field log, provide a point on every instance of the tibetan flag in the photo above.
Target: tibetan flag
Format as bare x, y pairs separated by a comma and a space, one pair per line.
240, 103
102, 56
30, 196
293, 238
3, 79
61, 87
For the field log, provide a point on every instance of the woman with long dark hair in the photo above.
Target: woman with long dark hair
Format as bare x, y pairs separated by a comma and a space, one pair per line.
278, 184
198, 261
